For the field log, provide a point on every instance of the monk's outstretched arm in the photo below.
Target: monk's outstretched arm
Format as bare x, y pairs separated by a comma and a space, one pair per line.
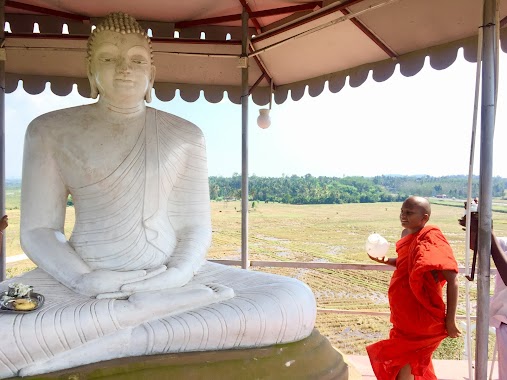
452, 303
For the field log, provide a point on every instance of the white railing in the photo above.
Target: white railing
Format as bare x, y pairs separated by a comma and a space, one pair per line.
333, 266
304, 265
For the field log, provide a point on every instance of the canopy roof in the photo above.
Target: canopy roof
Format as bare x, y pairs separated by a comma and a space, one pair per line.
197, 43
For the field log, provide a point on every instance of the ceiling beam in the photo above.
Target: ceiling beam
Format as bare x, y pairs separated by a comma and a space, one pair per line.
257, 14
173, 41
324, 12
256, 83
261, 67
206, 21
248, 10
258, 27
370, 35
286, 10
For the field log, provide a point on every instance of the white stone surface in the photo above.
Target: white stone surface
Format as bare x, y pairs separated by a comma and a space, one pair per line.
132, 279
73, 329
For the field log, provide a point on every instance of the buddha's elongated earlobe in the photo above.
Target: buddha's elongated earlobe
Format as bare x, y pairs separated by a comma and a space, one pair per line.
94, 92
147, 97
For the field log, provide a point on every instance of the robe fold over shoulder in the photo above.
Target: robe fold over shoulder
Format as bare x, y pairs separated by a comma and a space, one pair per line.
417, 306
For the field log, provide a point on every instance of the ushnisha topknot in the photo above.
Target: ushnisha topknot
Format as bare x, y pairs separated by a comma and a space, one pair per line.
121, 23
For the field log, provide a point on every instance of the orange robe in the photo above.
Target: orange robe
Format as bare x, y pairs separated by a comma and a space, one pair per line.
417, 306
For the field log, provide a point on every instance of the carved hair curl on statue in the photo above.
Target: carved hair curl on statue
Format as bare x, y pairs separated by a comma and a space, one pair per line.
121, 23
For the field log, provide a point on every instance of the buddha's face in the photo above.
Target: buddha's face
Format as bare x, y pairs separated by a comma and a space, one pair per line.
120, 67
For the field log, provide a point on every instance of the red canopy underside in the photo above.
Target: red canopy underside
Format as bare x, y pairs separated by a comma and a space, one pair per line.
341, 40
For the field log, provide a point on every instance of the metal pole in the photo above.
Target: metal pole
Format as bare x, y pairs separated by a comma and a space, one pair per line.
488, 108
3, 253
244, 141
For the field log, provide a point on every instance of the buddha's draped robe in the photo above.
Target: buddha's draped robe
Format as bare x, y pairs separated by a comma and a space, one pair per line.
115, 216
417, 306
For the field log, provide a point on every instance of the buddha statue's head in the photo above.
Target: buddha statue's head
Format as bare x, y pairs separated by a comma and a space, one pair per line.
120, 59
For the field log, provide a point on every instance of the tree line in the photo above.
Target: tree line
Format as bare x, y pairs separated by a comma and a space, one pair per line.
328, 190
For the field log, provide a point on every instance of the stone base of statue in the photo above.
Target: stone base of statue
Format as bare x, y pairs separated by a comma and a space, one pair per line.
71, 330
310, 358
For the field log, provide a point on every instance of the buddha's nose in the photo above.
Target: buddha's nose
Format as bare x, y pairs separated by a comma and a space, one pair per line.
123, 65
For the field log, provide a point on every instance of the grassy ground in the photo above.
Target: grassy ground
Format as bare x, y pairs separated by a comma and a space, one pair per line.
323, 233
337, 233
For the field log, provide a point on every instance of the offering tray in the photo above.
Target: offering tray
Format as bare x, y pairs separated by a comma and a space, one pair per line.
7, 306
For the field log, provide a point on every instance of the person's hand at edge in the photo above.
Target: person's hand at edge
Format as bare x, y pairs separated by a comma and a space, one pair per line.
4, 222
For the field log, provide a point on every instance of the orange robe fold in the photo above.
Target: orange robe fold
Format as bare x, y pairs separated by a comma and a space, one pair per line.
417, 306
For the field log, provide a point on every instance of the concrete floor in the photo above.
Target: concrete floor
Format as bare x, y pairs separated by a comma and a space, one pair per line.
444, 369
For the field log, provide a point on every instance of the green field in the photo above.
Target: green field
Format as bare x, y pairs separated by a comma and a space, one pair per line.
322, 233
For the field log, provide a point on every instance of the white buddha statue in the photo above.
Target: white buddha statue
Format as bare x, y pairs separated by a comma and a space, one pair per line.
132, 279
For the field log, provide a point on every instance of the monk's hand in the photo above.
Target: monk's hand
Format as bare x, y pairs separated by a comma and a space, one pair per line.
173, 277
382, 260
4, 222
106, 281
452, 329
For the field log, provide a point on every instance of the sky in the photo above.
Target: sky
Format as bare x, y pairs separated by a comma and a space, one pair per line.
420, 125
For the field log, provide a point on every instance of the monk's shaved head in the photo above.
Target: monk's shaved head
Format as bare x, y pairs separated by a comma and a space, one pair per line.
421, 202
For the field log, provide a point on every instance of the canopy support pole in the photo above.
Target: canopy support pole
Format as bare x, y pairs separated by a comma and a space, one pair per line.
488, 108
3, 253
245, 262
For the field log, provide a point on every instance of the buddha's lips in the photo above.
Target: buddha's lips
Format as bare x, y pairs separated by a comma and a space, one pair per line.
126, 80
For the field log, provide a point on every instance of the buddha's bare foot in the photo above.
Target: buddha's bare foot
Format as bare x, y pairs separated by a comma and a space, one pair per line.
146, 306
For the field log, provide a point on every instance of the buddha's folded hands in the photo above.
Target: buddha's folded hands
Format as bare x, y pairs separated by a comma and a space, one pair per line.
108, 281
174, 277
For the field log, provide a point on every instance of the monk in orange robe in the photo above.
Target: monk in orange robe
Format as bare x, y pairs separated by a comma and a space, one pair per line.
419, 315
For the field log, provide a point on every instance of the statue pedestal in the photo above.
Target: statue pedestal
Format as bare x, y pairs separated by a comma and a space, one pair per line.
310, 358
